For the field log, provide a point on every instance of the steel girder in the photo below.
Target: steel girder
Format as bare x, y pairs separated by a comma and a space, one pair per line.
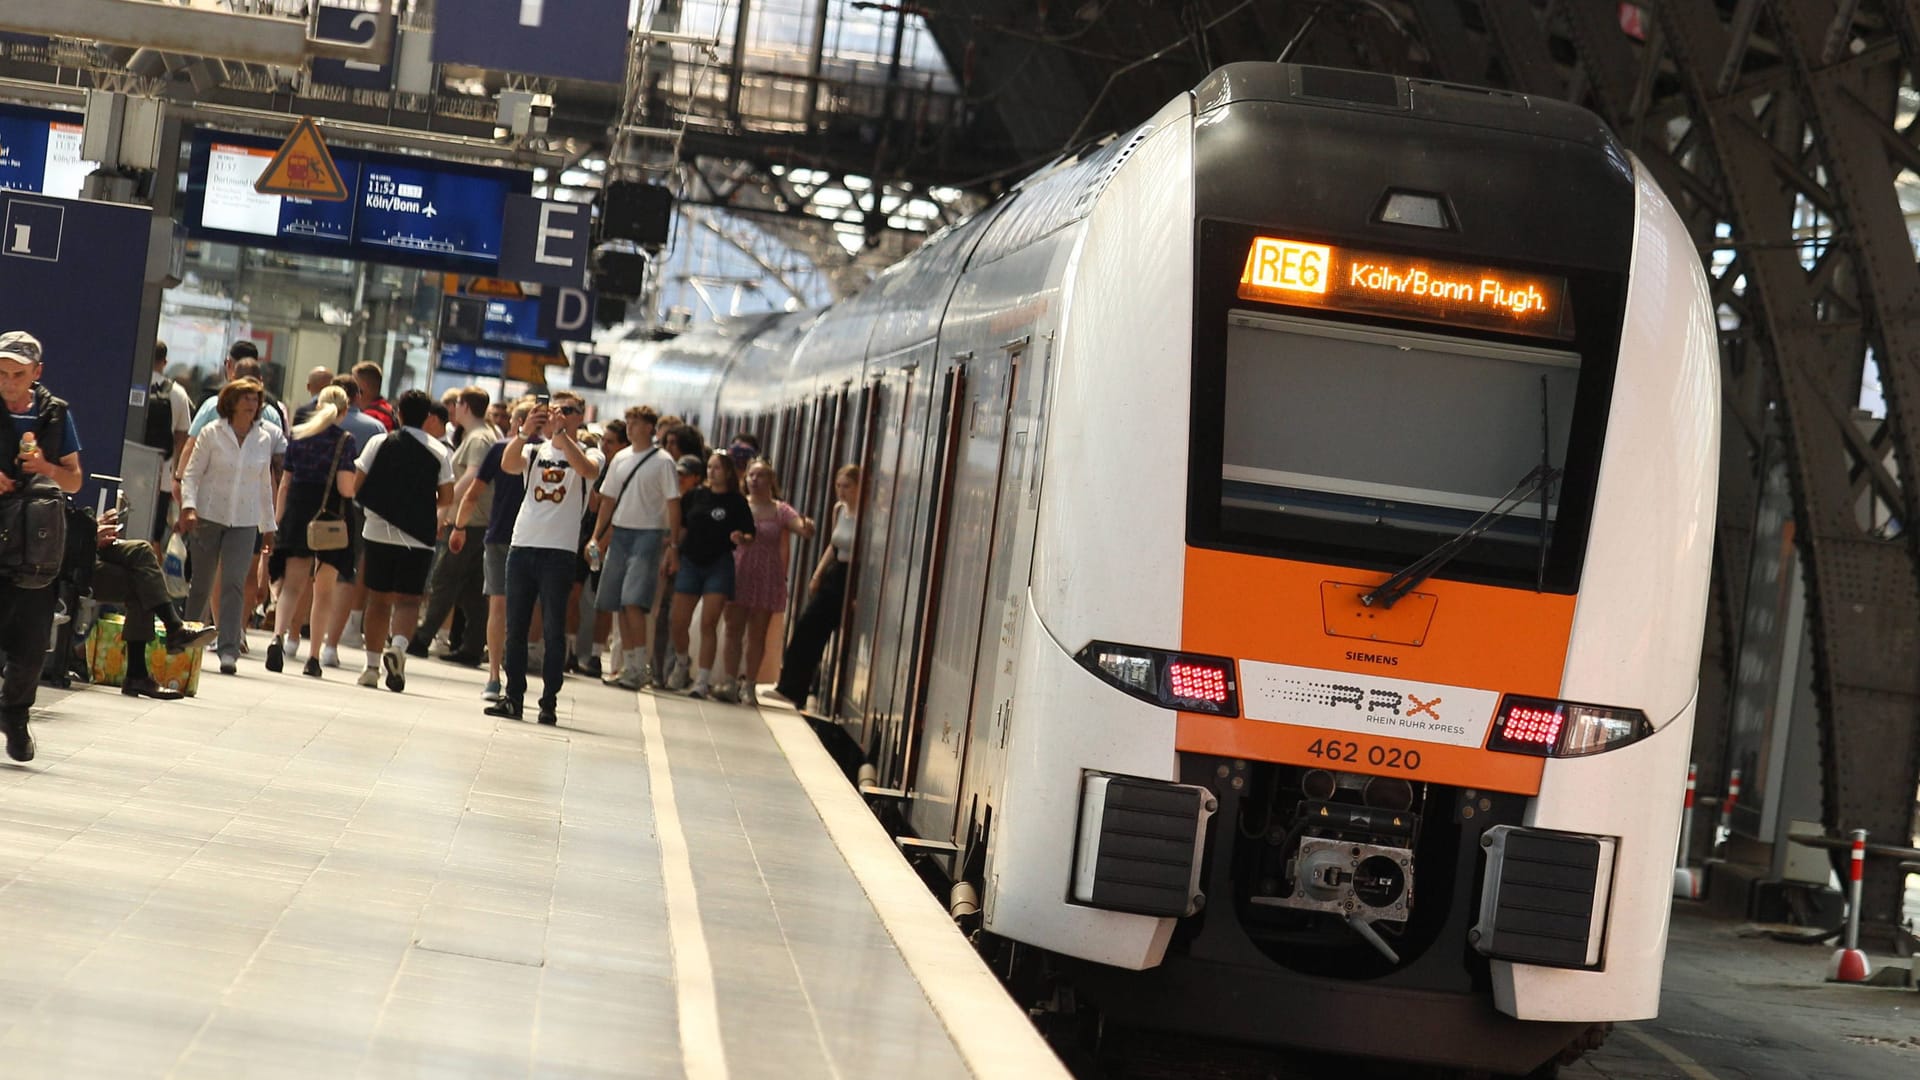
1784, 156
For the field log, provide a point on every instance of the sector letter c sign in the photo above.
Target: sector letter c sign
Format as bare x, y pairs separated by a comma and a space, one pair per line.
590, 371
567, 39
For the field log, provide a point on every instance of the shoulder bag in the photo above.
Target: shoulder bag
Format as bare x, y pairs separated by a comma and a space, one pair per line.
328, 530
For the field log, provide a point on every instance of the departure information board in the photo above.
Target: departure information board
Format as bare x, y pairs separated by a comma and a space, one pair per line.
40, 152
231, 204
1294, 272
473, 359
408, 211
433, 209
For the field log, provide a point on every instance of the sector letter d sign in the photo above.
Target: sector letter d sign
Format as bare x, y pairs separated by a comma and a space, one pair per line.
566, 314
546, 242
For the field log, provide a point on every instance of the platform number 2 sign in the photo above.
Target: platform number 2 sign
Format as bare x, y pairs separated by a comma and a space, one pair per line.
32, 230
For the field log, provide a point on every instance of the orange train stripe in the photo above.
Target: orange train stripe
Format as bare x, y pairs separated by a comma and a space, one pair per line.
1256, 608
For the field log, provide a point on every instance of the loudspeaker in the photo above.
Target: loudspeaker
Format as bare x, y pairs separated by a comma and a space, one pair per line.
619, 273
609, 311
642, 213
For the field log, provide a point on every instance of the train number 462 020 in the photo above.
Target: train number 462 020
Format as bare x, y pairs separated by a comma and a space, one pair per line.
1380, 757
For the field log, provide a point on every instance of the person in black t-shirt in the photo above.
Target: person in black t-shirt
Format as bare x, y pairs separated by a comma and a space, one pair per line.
714, 519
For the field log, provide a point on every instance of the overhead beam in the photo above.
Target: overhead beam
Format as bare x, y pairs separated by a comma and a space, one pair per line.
259, 39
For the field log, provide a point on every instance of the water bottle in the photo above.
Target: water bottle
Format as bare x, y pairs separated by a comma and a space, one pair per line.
593, 556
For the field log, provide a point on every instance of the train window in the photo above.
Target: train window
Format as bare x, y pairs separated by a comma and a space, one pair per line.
1387, 427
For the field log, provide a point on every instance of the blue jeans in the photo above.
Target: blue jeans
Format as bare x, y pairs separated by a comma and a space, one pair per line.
546, 575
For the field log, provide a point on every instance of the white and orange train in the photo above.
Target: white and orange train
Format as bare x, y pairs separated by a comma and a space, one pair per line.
1283, 561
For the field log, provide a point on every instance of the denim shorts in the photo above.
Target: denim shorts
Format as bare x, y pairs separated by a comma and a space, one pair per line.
700, 579
631, 570
494, 570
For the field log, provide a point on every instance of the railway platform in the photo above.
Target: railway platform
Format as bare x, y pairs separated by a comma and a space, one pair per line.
286, 877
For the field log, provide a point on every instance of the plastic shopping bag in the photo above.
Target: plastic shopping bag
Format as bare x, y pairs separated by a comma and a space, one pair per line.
174, 566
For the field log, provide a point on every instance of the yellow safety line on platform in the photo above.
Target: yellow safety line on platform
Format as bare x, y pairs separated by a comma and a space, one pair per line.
993, 1034
698, 1003
1693, 1069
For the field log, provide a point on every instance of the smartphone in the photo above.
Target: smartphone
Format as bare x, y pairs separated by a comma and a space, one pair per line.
541, 399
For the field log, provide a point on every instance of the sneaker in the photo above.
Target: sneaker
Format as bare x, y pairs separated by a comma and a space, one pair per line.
677, 675
700, 690
506, 708
749, 694
329, 656
632, 677
19, 743
313, 666
724, 692
370, 678
395, 662
548, 716
591, 668
276, 655
351, 637
492, 691
293, 647
230, 665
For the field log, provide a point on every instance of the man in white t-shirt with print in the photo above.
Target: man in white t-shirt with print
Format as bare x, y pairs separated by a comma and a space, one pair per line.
546, 546
404, 479
640, 508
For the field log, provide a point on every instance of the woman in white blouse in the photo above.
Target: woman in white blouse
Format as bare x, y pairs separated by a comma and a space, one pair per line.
226, 500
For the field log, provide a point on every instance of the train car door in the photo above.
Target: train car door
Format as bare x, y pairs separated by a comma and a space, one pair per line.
962, 595
891, 395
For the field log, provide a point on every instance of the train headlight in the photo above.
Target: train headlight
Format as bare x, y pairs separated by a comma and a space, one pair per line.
1172, 680
1548, 728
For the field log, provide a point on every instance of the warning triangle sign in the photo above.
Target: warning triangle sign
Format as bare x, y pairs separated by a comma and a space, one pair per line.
302, 168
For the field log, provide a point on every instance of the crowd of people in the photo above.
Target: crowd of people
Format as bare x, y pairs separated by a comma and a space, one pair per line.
518, 533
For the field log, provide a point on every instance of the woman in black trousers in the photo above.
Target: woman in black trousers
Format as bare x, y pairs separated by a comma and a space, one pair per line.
827, 594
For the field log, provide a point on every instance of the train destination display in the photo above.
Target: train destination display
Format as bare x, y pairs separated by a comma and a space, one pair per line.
40, 152
1295, 272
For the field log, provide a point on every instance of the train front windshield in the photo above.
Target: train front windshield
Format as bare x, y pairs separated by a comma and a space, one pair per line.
1328, 424
1361, 408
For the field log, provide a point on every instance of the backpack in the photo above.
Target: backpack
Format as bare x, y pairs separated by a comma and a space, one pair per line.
33, 534
159, 433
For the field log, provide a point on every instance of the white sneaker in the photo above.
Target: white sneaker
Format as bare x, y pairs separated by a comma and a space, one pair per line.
700, 689
677, 674
725, 692
633, 676
492, 691
352, 637
329, 656
749, 694
293, 647
370, 678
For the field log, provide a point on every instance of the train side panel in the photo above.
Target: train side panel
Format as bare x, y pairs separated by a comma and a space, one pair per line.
1104, 549
1638, 626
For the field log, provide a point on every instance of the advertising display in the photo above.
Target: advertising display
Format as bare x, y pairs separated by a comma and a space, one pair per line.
404, 211
40, 152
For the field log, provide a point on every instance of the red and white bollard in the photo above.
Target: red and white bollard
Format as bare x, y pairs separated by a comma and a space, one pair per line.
1849, 965
1726, 806
1686, 880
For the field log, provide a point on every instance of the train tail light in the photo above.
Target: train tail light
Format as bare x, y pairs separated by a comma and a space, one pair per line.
1548, 728
1172, 680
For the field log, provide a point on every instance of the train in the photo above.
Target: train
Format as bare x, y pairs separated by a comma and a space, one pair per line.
1282, 563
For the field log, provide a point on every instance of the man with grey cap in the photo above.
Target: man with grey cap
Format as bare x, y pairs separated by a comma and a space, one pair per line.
39, 445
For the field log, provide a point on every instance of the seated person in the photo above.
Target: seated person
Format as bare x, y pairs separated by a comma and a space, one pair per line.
127, 573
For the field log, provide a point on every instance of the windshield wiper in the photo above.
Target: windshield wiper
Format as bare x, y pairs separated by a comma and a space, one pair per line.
1389, 592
